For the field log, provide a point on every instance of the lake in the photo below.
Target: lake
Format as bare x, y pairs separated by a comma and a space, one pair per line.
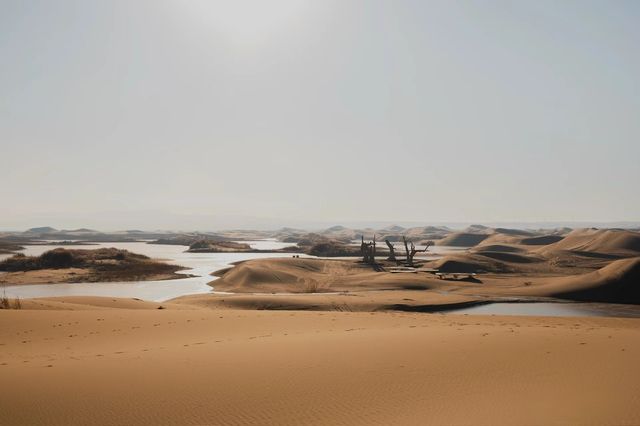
199, 264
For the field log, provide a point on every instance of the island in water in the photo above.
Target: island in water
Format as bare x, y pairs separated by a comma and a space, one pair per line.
62, 265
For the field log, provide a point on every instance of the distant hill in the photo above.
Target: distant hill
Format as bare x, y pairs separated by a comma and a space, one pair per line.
80, 230
463, 239
42, 230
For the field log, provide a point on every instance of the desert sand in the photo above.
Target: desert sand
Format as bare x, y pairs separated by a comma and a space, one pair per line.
114, 362
320, 341
319, 284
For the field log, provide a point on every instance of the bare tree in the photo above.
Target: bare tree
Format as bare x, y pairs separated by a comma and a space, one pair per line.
368, 251
411, 253
392, 252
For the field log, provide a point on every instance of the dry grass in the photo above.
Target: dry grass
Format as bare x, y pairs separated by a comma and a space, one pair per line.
6, 303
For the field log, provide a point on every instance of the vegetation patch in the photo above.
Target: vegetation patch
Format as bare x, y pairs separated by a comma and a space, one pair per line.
105, 264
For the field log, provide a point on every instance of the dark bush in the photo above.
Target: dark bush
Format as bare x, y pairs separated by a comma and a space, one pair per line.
58, 258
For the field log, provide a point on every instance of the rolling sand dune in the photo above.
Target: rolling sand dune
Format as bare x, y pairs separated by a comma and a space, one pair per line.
288, 275
486, 237
617, 282
462, 239
511, 257
504, 248
503, 238
605, 241
362, 301
516, 232
542, 240
224, 367
74, 303
468, 262
359, 288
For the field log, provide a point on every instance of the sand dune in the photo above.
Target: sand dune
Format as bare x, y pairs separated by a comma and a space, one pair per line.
516, 232
605, 241
362, 301
74, 303
511, 257
507, 253
462, 239
617, 282
485, 237
301, 275
542, 240
202, 366
358, 286
505, 248
469, 262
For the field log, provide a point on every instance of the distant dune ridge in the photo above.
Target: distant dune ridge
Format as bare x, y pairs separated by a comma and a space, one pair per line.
541, 240
605, 241
463, 239
475, 235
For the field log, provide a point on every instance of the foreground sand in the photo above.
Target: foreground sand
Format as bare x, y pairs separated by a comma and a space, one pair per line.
111, 361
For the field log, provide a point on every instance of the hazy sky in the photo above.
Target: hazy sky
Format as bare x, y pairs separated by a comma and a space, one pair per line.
204, 114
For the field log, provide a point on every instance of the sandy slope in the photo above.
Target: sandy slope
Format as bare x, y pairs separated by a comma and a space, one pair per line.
360, 288
202, 366
604, 241
304, 275
618, 282
362, 301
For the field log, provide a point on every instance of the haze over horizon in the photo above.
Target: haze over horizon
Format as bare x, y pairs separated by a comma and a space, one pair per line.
210, 115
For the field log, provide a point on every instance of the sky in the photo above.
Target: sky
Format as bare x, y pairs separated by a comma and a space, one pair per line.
167, 114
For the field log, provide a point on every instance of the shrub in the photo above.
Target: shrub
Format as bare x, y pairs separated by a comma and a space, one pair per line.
58, 258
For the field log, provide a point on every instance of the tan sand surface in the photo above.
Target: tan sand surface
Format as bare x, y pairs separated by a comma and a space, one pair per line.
606, 241
201, 366
302, 275
365, 289
361, 301
74, 275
